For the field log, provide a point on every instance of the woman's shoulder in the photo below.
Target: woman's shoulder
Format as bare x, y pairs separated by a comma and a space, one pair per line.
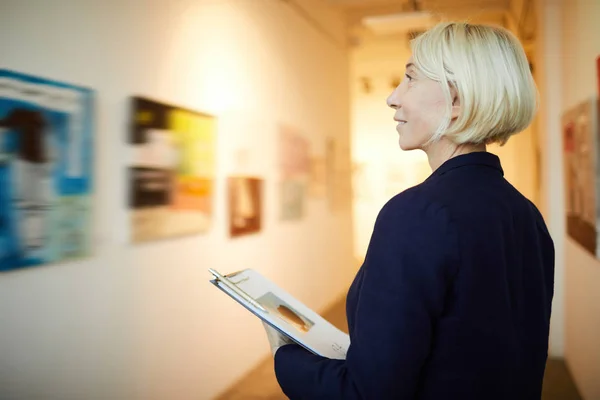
414, 218
418, 202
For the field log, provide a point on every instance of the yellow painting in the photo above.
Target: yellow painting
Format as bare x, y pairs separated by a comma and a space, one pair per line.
172, 155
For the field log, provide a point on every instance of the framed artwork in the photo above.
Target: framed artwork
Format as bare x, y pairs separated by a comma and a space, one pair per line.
295, 173
292, 195
245, 205
46, 168
338, 172
317, 186
582, 173
172, 167
598, 74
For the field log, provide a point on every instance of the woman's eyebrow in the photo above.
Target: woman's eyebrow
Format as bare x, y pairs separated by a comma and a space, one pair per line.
410, 65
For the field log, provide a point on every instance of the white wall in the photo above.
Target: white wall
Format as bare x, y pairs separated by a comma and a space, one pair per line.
142, 322
548, 58
581, 47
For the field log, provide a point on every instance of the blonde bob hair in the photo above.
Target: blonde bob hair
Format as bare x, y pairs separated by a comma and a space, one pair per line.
488, 68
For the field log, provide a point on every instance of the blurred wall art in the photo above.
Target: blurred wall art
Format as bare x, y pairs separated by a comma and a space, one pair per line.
172, 153
46, 150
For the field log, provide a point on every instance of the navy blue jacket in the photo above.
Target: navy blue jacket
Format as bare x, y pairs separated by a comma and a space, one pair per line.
453, 300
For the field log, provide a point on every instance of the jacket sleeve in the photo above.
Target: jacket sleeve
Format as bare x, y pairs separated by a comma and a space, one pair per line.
410, 263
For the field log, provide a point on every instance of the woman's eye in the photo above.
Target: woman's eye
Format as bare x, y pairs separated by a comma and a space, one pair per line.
410, 78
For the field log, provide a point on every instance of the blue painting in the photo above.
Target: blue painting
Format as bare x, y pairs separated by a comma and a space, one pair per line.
46, 150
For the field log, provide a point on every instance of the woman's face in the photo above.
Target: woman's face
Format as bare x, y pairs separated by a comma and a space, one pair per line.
420, 104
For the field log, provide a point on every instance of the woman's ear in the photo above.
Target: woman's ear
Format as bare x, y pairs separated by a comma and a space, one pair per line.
455, 104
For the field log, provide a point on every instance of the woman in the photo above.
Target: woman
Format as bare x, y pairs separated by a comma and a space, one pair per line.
453, 300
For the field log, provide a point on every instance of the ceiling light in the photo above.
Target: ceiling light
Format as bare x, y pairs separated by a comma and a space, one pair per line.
398, 23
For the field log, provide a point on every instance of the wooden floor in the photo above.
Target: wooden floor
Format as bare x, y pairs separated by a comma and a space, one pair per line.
260, 383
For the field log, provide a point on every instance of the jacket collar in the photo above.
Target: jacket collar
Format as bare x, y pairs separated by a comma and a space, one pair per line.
476, 158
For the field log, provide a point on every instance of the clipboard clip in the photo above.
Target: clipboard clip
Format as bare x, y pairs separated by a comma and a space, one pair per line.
236, 289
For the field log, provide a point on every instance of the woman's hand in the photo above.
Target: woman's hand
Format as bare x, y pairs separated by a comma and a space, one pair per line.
276, 339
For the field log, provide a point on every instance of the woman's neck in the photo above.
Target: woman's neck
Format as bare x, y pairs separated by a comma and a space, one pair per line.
444, 149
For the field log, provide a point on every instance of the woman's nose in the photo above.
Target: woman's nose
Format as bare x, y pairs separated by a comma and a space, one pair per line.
393, 101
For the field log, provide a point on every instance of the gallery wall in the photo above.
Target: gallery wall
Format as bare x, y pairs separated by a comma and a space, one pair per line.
580, 50
548, 59
140, 320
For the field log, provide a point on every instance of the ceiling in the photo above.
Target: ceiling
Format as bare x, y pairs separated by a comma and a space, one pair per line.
517, 15
370, 19
362, 3
358, 9
429, 5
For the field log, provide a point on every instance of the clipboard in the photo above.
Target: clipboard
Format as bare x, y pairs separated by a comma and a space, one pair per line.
283, 312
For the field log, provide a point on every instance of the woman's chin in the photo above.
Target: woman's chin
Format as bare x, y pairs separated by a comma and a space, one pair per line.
407, 146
